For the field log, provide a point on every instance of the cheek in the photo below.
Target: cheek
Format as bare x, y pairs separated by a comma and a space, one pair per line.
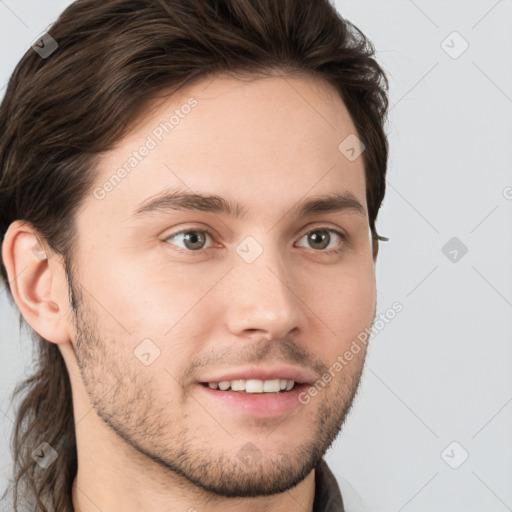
144, 299
346, 304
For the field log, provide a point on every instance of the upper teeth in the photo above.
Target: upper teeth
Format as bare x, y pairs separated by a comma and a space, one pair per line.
254, 385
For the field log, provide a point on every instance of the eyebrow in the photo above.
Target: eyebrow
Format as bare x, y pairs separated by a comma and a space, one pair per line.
170, 200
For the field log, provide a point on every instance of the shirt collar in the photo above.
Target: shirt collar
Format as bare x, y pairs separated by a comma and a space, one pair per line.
327, 492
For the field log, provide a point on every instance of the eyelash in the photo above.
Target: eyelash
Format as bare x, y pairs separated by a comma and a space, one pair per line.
199, 251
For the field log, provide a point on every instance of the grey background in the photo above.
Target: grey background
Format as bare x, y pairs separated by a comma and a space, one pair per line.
440, 371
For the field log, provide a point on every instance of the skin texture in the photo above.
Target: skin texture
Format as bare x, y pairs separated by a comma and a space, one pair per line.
148, 437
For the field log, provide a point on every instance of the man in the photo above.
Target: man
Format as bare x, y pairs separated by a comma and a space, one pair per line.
189, 192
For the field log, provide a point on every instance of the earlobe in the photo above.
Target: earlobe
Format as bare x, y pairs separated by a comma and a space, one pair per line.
35, 284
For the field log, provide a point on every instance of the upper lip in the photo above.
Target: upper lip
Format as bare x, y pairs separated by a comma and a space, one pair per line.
267, 373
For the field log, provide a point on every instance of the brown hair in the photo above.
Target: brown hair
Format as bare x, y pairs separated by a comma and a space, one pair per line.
60, 112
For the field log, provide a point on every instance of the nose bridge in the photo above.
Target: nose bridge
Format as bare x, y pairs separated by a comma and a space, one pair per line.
263, 297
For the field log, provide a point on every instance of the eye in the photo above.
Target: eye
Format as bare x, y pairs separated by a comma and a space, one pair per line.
193, 239
320, 238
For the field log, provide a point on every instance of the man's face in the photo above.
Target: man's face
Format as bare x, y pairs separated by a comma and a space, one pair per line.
271, 291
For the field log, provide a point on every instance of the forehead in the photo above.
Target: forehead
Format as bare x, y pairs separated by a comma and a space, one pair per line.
267, 141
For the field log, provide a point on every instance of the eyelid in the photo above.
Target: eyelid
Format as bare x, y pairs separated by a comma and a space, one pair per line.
321, 226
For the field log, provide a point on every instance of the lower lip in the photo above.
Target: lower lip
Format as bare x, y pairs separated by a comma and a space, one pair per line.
262, 405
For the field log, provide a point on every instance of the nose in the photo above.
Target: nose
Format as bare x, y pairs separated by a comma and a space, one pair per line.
265, 297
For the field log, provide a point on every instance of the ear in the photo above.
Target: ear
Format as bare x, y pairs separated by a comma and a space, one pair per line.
38, 282
375, 248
